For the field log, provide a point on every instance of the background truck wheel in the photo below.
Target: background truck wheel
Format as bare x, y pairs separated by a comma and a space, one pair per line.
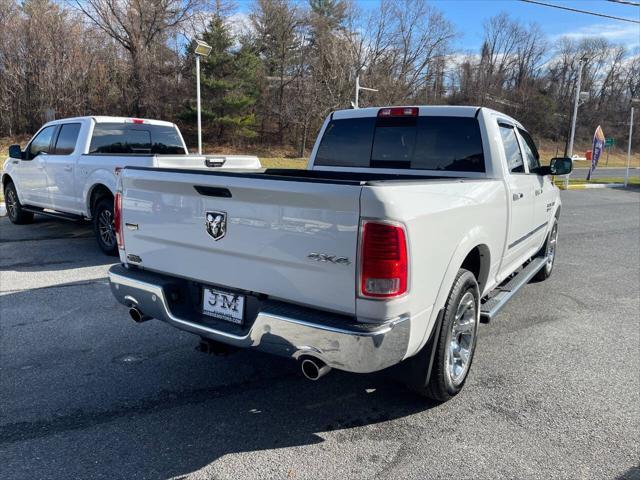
455, 344
14, 208
103, 226
548, 251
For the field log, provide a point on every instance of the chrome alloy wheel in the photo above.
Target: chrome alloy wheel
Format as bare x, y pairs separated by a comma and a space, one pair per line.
11, 203
461, 339
550, 253
106, 228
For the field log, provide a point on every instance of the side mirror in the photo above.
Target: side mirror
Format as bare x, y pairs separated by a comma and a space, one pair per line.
557, 166
15, 152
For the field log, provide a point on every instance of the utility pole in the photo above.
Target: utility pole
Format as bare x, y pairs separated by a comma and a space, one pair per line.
576, 102
355, 104
626, 175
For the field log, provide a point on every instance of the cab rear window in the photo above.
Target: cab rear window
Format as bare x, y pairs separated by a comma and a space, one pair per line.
143, 139
415, 143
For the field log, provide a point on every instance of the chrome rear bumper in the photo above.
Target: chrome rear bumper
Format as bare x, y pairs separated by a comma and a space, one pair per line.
289, 332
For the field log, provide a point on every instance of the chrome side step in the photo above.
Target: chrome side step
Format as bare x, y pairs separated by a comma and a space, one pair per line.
499, 297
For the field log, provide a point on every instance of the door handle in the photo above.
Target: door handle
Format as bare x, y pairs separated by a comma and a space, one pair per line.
517, 196
68, 168
15, 162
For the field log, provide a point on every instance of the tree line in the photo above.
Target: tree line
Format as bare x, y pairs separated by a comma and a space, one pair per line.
277, 70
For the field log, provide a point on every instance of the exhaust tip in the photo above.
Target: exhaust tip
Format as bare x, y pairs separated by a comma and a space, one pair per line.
137, 316
314, 369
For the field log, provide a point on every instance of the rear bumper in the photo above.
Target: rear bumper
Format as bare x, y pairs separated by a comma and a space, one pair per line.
289, 332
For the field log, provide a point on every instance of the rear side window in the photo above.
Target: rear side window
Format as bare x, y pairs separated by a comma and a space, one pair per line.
143, 139
67, 138
511, 149
416, 143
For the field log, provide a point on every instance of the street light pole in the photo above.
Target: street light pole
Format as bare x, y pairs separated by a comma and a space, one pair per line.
356, 103
202, 50
198, 104
575, 116
626, 175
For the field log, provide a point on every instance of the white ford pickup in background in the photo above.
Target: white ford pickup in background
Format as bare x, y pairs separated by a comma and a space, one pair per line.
409, 227
69, 168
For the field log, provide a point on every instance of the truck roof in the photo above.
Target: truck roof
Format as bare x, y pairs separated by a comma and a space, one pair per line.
107, 119
424, 110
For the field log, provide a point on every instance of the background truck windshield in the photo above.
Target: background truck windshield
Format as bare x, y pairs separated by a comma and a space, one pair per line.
417, 143
145, 139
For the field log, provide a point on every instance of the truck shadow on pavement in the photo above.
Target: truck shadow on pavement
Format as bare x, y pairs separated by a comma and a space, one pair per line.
175, 411
69, 245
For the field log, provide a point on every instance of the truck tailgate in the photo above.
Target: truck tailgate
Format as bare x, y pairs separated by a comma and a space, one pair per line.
273, 226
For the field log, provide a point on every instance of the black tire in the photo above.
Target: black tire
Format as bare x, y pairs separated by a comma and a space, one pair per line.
548, 251
102, 218
440, 384
14, 208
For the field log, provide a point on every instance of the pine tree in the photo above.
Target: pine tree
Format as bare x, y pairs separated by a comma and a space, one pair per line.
229, 86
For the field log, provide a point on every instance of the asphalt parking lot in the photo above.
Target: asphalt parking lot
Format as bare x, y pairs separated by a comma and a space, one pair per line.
85, 393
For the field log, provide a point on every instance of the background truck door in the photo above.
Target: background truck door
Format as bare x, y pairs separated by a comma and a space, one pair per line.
32, 178
522, 199
60, 167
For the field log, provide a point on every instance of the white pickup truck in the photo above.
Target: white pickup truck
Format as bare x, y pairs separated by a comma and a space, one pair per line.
409, 227
70, 166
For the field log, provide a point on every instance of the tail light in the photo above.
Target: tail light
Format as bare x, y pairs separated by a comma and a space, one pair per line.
398, 112
117, 220
383, 264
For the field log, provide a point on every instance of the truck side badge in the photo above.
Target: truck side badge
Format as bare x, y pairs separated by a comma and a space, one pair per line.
216, 224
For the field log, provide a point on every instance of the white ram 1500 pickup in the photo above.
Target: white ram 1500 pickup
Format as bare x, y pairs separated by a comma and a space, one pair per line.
409, 227
70, 166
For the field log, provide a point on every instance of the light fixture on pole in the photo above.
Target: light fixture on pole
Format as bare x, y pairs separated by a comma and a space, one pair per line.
202, 50
634, 101
355, 104
576, 102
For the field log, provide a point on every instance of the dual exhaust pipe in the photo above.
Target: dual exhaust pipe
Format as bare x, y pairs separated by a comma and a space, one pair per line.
312, 368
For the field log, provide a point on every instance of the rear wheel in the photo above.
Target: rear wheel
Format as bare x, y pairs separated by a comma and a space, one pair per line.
548, 252
103, 226
454, 346
14, 208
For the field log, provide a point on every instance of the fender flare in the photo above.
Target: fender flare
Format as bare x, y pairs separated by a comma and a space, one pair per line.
98, 178
476, 237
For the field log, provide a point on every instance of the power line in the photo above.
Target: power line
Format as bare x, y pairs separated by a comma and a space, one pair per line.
581, 11
626, 2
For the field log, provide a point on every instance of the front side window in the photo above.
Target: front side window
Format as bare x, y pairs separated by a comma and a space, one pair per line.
512, 152
143, 139
415, 143
41, 142
530, 151
67, 138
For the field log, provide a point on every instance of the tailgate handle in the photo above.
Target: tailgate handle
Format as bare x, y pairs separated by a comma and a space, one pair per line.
214, 162
213, 191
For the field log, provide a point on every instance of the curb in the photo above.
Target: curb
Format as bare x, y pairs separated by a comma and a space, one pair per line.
587, 186
3, 209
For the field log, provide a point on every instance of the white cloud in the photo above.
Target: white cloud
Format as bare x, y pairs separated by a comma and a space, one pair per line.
629, 34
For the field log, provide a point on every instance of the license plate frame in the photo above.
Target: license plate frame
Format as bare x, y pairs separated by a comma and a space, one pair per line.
223, 305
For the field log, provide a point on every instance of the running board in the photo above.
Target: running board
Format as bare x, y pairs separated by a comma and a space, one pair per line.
492, 305
52, 213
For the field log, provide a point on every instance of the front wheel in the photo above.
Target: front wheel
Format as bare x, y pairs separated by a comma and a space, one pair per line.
454, 345
14, 208
549, 253
104, 227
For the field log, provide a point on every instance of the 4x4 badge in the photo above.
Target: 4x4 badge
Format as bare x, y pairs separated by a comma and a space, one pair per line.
216, 224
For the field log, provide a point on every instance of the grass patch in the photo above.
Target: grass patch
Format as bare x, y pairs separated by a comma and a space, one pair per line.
578, 181
282, 162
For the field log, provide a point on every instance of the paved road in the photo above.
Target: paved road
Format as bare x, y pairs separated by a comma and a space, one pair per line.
581, 172
86, 393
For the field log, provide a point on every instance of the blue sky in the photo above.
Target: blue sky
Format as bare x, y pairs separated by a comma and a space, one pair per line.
468, 16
